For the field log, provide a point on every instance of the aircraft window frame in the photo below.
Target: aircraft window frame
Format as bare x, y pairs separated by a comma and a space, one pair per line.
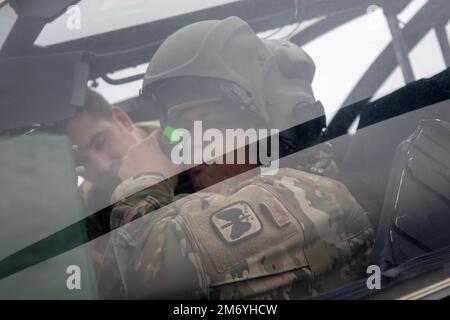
8, 17
103, 11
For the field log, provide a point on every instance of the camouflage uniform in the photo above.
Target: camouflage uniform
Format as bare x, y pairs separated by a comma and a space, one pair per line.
284, 236
94, 200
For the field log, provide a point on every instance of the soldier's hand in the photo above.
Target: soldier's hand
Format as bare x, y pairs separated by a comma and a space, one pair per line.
147, 156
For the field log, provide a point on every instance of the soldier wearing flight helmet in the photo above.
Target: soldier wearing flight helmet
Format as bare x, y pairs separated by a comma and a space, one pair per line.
287, 235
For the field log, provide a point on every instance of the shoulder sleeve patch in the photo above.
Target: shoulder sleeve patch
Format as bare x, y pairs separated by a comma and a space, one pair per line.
236, 222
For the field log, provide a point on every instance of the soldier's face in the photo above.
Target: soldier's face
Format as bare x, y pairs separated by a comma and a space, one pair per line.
219, 117
102, 143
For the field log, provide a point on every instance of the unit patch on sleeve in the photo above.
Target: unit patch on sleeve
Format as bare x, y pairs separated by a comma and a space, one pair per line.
236, 222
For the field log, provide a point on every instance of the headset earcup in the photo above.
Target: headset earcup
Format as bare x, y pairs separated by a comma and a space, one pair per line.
294, 62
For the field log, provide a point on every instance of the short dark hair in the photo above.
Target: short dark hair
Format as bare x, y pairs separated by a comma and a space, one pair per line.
94, 104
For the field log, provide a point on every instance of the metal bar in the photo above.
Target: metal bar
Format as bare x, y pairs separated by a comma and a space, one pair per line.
442, 37
120, 81
400, 47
